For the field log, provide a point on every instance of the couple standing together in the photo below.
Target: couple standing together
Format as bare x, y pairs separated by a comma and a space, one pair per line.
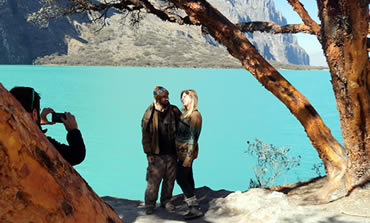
170, 141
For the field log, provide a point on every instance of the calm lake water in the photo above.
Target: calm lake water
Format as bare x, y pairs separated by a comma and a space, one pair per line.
109, 102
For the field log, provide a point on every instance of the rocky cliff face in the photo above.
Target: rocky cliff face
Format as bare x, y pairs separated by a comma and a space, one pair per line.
282, 48
23, 42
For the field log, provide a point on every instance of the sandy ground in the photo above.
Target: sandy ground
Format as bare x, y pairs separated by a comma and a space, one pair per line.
254, 205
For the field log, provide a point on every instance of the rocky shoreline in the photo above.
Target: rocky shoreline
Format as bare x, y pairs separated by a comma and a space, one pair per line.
277, 66
254, 205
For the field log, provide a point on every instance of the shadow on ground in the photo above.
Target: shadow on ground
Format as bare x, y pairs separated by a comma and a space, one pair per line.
133, 211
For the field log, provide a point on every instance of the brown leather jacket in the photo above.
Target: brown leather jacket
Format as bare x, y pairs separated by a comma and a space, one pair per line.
149, 127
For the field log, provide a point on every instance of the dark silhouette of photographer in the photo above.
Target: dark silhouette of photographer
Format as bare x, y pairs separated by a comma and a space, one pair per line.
75, 151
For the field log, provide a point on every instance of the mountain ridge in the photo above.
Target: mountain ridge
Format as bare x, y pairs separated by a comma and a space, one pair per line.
73, 41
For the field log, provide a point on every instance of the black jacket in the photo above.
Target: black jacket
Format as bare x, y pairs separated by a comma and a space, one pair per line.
75, 152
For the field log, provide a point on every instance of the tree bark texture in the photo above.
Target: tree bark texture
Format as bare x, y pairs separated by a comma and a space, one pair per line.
344, 40
307, 20
273, 28
36, 183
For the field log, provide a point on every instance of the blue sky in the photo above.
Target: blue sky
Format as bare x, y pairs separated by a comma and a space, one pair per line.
308, 42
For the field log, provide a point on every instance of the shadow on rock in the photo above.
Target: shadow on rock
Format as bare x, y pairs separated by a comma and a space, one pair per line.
133, 211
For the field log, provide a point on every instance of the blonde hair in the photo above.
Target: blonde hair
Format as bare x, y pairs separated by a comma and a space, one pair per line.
193, 104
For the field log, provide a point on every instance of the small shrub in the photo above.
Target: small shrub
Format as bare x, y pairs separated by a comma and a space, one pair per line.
272, 162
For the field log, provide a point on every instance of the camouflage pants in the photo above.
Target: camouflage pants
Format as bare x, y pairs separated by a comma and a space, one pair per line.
163, 168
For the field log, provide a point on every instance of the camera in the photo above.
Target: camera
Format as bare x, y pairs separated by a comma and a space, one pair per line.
57, 117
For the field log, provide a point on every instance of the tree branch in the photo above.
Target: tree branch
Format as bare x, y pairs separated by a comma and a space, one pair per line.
165, 16
131, 5
307, 20
273, 28
54, 9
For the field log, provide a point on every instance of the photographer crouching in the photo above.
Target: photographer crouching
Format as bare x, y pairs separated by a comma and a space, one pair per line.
75, 152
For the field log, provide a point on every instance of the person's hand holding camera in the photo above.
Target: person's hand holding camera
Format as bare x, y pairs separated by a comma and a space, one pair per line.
69, 121
66, 118
43, 119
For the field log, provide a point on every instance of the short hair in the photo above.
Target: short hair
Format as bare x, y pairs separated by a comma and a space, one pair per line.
28, 97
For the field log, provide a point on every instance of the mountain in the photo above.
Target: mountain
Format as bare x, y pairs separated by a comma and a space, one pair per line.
151, 43
22, 42
282, 48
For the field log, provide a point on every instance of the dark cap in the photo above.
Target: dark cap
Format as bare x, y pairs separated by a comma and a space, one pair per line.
158, 90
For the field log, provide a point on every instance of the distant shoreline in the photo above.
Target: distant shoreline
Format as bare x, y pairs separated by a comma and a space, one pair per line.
278, 66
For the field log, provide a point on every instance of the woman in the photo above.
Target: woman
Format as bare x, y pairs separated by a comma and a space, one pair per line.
187, 135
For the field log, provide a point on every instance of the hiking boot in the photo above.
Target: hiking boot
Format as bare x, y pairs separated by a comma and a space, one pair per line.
194, 212
168, 206
149, 210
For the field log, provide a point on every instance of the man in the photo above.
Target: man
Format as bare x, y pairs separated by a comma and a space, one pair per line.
158, 137
75, 152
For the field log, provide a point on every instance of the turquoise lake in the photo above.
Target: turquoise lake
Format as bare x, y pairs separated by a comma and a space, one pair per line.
109, 102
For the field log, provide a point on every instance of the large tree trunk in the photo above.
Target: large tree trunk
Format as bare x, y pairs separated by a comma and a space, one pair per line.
344, 39
36, 183
330, 151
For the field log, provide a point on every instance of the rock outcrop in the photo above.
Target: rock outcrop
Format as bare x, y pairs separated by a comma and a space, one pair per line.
252, 206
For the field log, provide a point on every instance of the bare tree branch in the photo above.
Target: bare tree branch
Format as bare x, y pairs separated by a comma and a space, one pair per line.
53, 9
307, 20
274, 28
132, 5
162, 14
